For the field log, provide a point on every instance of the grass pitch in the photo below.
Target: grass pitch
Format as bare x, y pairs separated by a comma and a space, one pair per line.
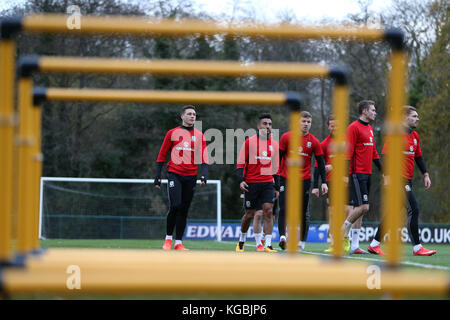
440, 261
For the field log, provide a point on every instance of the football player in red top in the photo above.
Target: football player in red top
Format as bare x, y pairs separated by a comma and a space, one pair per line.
361, 153
310, 146
187, 148
257, 174
412, 153
328, 155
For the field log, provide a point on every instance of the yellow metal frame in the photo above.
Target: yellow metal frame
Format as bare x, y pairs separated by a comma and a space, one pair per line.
393, 193
149, 271
165, 96
339, 190
204, 68
7, 125
197, 68
25, 142
181, 67
143, 27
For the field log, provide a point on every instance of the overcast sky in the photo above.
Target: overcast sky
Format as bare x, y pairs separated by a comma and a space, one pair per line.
270, 10
303, 10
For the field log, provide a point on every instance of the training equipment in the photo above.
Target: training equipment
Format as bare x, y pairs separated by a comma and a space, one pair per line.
135, 276
79, 208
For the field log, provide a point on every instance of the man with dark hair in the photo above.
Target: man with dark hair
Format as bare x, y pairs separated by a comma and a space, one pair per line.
256, 170
309, 147
412, 153
361, 153
187, 148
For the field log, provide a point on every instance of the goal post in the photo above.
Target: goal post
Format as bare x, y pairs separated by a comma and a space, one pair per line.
116, 208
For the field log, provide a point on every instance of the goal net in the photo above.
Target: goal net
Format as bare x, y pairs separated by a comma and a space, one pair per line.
89, 208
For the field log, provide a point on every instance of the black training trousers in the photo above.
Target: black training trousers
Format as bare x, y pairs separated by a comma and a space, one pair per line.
180, 190
413, 217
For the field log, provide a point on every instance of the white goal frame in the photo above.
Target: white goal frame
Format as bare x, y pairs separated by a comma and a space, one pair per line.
149, 181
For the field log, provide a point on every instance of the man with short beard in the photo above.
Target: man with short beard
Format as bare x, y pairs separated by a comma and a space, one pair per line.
412, 153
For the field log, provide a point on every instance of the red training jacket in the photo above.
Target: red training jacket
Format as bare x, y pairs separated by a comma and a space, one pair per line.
309, 146
259, 158
187, 150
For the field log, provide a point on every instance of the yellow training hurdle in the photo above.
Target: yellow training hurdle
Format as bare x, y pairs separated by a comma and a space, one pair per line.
37, 275
29, 64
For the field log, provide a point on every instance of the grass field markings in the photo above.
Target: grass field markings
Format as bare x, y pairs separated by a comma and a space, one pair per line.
409, 263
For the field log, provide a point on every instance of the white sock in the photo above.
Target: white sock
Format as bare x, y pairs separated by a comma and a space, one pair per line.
302, 244
177, 242
417, 247
168, 237
283, 238
258, 237
268, 240
243, 236
346, 228
355, 239
374, 243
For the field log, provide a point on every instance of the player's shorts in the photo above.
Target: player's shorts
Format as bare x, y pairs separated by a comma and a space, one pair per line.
359, 189
259, 193
259, 206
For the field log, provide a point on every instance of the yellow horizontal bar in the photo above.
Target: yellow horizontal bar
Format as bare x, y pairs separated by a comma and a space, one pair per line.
163, 96
144, 26
186, 67
8, 122
150, 271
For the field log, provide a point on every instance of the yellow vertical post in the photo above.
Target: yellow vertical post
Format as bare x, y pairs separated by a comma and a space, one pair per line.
393, 193
36, 174
7, 123
25, 143
294, 184
339, 189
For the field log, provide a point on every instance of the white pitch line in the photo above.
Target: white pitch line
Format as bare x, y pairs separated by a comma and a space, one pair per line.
409, 263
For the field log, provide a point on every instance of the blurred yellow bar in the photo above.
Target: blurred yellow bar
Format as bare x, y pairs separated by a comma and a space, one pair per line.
37, 159
339, 189
393, 193
294, 184
150, 271
162, 96
141, 26
25, 142
184, 67
7, 124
